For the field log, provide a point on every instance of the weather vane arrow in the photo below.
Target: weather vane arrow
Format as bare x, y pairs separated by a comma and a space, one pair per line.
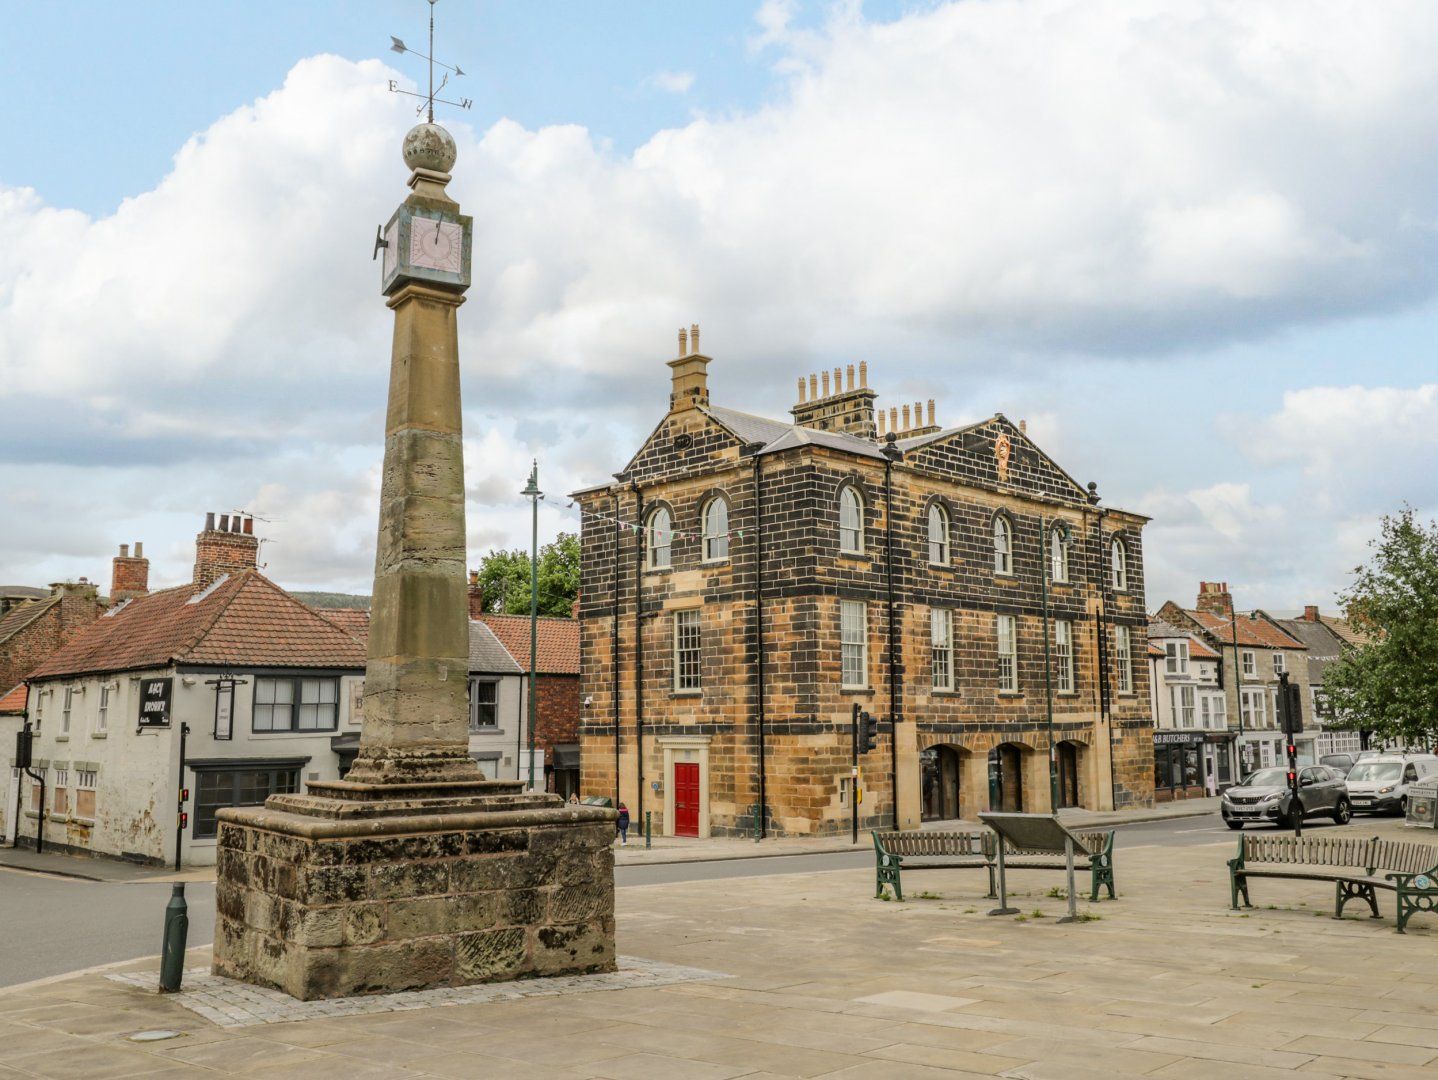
427, 101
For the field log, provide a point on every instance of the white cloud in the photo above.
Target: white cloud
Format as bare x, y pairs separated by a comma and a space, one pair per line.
672, 82
965, 181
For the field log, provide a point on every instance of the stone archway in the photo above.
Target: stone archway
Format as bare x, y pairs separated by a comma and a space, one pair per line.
1067, 756
1006, 777
941, 767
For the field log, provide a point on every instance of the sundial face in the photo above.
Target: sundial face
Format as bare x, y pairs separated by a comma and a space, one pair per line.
436, 245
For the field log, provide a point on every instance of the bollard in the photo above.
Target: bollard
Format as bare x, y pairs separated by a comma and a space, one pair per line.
172, 948
648, 828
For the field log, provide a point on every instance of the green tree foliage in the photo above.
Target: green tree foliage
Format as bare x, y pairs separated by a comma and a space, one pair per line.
1390, 686
504, 576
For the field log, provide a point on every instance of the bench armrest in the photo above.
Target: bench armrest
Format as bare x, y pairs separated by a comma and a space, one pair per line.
1237, 864
1402, 880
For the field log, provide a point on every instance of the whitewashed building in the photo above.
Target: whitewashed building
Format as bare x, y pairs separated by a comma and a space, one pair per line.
1191, 756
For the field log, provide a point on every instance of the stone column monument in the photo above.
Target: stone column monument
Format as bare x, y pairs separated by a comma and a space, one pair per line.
414, 871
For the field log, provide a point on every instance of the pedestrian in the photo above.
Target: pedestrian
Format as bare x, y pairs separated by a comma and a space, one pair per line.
623, 824
573, 798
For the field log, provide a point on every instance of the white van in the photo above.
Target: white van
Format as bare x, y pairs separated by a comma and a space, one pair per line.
1379, 784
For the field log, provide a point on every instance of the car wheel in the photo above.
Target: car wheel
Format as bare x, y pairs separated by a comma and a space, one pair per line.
1342, 813
1235, 825
1403, 806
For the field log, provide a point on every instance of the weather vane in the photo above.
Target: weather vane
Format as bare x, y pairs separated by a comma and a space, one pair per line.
427, 100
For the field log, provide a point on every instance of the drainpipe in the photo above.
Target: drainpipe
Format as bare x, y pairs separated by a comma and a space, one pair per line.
1105, 691
759, 644
891, 454
639, 646
20, 809
614, 644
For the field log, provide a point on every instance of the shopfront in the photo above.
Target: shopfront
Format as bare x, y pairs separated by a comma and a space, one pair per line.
1178, 765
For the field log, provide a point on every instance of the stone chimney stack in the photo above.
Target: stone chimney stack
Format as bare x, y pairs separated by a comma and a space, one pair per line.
690, 374
1310, 613
129, 574
476, 595
226, 546
837, 405
1214, 598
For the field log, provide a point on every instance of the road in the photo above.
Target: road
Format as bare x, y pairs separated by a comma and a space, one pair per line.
55, 925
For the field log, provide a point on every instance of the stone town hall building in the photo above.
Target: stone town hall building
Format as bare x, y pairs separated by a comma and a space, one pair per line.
746, 581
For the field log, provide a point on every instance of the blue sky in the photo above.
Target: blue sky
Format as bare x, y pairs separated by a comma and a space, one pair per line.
1195, 245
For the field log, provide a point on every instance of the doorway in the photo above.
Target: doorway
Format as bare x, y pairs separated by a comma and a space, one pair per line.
939, 766
686, 798
1068, 776
1006, 782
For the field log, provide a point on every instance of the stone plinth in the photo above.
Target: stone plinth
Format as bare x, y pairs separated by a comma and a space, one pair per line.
323, 896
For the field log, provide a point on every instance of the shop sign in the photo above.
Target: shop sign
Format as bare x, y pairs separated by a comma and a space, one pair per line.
155, 702
1177, 738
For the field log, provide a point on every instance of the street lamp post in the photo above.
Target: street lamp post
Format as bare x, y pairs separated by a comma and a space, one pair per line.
531, 491
1046, 547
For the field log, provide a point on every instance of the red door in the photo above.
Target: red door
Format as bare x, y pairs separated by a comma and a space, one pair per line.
686, 798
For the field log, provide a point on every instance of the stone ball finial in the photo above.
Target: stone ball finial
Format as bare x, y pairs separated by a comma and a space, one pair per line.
429, 146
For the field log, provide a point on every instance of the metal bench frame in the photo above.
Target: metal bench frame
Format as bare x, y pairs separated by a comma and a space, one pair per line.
1412, 870
972, 850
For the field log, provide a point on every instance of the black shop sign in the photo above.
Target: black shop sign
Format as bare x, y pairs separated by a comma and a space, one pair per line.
1177, 738
155, 697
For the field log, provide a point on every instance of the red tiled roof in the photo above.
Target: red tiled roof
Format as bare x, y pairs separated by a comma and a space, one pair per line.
1252, 632
350, 619
243, 620
557, 648
1155, 650
1197, 650
13, 703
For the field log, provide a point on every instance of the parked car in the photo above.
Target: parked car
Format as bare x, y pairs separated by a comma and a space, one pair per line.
1339, 763
1264, 796
1379, 784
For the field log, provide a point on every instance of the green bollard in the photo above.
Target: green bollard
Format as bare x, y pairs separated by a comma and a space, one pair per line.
172, 948
648, 828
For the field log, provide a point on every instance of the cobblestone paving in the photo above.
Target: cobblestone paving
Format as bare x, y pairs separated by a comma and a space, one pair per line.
231, 1004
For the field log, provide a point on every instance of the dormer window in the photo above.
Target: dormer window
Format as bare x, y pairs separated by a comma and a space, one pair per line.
660, 533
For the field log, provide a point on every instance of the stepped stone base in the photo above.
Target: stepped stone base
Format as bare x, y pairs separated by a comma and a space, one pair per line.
344, 892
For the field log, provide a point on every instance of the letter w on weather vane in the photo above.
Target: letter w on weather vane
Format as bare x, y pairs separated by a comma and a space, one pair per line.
427, 100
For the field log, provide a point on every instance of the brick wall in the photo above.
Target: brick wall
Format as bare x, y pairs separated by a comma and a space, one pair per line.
23, 651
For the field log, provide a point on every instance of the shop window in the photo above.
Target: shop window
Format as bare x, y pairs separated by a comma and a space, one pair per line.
248, 786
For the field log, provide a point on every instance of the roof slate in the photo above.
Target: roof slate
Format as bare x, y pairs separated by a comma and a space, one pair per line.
22, 615
487, 656
1323, 642
243, 620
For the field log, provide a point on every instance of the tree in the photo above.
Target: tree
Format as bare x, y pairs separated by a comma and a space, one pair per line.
1390, 686
504, 577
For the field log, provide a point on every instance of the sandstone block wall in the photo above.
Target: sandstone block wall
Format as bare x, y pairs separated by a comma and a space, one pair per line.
339, 917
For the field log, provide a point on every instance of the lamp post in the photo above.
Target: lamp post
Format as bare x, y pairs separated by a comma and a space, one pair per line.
1046, 546
532, 492
1238, 690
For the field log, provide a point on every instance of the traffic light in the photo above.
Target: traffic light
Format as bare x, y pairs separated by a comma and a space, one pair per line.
1290, 706
23, 743
868, 732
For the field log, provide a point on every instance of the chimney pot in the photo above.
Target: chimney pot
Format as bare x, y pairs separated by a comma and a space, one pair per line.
693, 339
906, 418
476, 595
864, 373
124, 551
881, 421
683, 343
893, 419
210, 522
1023, 427
849, 382
224, 523
223, 550
824, 376
139, 549
801, 390
931, 413
838, 380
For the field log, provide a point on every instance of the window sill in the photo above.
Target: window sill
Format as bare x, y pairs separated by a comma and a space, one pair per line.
1010, 694
307, 732
715, 562
947, 566
686, 693
1066, 693
941, 691
1001, 578
487, 731
658, 569
854, 556
62, 738
99, 734
59, 818
855, 690
86, 821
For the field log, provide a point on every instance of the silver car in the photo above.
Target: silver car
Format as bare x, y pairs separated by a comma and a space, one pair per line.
1264, 796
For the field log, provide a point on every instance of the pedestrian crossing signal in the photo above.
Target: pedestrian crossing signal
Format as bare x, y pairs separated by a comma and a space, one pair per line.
868, 733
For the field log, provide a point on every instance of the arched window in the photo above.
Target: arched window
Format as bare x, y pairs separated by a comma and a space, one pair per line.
938, 534
660, 532
851, 520
1003, 545
1058, 556
1118, 565
716, 529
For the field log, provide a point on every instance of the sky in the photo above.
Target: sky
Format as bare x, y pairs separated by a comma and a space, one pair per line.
1194, 243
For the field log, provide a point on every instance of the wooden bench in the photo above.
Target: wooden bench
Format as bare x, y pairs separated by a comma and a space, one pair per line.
895, 852
1357, 867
